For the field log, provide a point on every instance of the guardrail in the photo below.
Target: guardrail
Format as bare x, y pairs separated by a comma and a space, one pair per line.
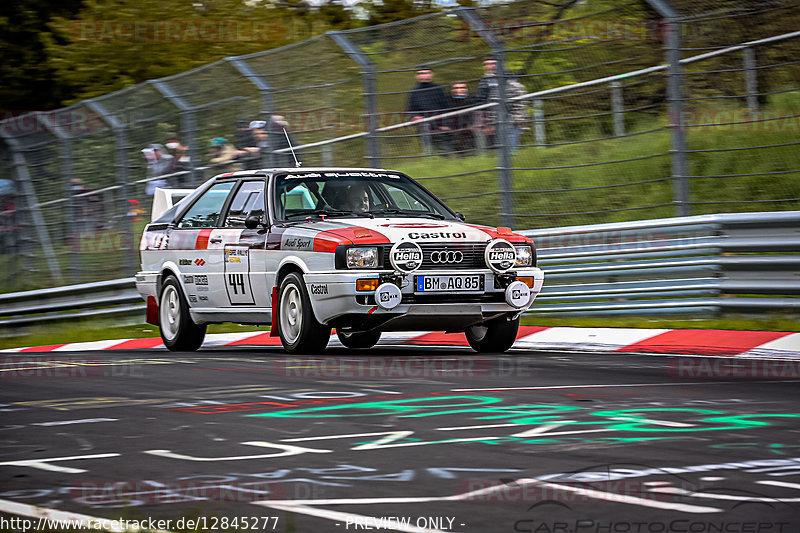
745, 262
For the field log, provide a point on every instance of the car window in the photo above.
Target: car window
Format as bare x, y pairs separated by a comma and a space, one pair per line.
205, 211
248, 201
404, 200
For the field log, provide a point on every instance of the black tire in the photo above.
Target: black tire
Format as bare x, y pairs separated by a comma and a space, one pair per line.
298, 327
178, 331
359, 340
496, 335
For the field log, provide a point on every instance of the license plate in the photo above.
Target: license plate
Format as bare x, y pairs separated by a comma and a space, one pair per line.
460, 283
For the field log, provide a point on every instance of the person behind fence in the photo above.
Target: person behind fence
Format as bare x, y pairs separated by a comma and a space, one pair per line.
461, 125
485, 93
158, 164
517, 110
244, 143
222, 152
181, 163
279, 138
427, 99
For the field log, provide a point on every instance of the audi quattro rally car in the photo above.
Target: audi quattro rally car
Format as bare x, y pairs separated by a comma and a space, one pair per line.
306, 250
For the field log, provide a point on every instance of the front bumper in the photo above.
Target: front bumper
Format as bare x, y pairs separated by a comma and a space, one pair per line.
334, 295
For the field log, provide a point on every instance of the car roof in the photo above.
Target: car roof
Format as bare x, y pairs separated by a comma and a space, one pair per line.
275, 170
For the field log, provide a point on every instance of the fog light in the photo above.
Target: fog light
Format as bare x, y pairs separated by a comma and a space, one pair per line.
527, 280
369, 284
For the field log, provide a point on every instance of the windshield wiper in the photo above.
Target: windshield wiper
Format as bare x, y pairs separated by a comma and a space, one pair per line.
328, 213
409, 212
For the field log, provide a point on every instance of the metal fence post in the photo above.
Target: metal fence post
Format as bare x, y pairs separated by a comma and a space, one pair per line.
370, 91
504, 150
617, 109
188, 125
539, 132
265, 94
750, 79
121, 162
30, 202
675, 98
67, 170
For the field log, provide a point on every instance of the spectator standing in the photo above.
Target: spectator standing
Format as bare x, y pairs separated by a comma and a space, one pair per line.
425, 100
181, 161
462, 125
158, 164
252, 151
487, 91
222, 152
517, 111
244, 143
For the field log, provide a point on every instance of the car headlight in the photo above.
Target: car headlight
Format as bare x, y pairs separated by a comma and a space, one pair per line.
362, 258
524, 255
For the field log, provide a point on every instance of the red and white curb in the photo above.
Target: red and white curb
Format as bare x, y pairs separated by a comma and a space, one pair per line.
529, 338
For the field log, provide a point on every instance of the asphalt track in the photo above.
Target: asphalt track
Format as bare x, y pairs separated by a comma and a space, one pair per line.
404, 438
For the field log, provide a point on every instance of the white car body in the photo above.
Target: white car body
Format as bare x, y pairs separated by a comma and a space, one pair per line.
233, 274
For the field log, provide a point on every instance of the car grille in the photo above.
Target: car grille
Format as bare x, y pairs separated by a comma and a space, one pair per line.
431, 252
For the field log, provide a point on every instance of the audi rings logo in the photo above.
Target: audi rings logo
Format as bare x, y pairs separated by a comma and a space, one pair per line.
446, 256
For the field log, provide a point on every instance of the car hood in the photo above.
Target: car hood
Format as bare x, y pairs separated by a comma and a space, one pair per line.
409, 229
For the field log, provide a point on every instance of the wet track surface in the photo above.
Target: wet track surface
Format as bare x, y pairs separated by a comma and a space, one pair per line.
406, 439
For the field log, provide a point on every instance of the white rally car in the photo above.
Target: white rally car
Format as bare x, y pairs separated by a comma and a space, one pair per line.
360, 250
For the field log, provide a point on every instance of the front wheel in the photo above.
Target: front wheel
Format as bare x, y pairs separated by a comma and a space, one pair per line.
359, 340
299, 330
496, 335
178, 331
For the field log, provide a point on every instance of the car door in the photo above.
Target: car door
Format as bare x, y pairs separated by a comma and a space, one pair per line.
196, 249
242, 248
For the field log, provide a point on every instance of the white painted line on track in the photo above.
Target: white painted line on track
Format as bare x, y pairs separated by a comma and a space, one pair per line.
65, 517
476, 494
68, 422
352, 519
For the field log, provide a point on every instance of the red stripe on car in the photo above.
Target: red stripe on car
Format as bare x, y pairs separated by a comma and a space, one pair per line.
202, 239
502, 233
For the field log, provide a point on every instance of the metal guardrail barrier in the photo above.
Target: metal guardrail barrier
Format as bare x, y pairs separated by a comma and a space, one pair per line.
741, 262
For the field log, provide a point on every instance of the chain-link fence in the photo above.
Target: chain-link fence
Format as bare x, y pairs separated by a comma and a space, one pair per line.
553, 116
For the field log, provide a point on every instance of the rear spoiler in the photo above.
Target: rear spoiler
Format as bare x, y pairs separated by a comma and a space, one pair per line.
164, 199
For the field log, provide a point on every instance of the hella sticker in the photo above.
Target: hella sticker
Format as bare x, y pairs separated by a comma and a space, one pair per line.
387, 296
500, 255
406, 257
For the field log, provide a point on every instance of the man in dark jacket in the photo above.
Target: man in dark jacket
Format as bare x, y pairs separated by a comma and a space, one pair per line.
425, 100
462, 126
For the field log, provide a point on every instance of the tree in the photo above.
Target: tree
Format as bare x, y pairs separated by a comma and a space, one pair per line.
27, 78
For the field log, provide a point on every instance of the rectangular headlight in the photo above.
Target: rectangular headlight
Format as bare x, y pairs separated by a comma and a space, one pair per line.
524, 255
362, 258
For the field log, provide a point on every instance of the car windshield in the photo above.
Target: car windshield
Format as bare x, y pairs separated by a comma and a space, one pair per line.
343, 194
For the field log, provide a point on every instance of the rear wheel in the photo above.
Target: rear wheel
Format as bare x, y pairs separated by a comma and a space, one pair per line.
359, 340
496, 335
299, 330
178, 331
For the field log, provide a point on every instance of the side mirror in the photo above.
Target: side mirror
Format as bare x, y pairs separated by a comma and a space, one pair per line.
461, 217
252, 222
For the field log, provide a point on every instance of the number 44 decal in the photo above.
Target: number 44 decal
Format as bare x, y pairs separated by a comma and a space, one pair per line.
236, 283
